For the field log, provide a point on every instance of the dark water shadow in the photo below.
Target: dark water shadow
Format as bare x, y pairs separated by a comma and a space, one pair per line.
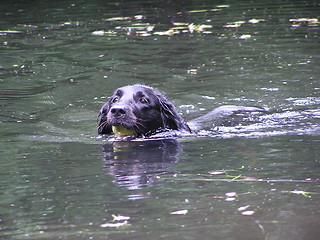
135, 164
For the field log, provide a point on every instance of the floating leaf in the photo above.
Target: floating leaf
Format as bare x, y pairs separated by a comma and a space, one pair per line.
170, 32
118, 19
215, 10
180, 212
103, 33
150, 28
180, 24
303, 63
143, 34
245, 36
303, 193
223, 6
231, 194
253, 21
198, 11
247, 213
314, 20
192, 71
209, 10
140, 24
199, 28
139, 17
240, 209
236, 177
230, 199
295, 25
218, 172
98, 33
239, 22
115, 225
120, 218
27, 25
232, 25
11, 31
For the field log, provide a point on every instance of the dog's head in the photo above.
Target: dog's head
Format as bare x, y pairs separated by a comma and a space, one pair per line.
140, 109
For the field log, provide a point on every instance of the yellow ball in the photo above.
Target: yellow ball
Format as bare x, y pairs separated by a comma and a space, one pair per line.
120, 130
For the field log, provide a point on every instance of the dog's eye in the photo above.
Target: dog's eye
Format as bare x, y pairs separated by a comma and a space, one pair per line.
144, 100
115, 99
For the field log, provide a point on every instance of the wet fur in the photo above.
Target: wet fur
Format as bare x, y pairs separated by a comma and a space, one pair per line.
146, 111
141, 109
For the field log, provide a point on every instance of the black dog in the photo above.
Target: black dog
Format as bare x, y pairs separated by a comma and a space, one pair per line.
141, 109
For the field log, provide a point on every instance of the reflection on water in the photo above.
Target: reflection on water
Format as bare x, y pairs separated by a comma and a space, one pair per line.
60, 59
136, 164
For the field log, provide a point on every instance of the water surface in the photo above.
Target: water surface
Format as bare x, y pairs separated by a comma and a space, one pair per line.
251, 177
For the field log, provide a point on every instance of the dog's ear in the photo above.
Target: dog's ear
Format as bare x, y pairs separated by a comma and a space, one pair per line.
170, 117
103, 126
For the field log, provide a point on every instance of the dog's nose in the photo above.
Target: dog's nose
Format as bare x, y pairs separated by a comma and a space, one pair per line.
118, 111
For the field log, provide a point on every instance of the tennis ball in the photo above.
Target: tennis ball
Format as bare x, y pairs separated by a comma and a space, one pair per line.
120, 130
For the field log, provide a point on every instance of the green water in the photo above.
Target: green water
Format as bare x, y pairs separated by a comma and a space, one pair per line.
60, 60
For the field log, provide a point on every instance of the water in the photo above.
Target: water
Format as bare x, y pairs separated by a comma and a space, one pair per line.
256, 179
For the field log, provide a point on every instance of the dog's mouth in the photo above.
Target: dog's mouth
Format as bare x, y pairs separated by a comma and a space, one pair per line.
120, 130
